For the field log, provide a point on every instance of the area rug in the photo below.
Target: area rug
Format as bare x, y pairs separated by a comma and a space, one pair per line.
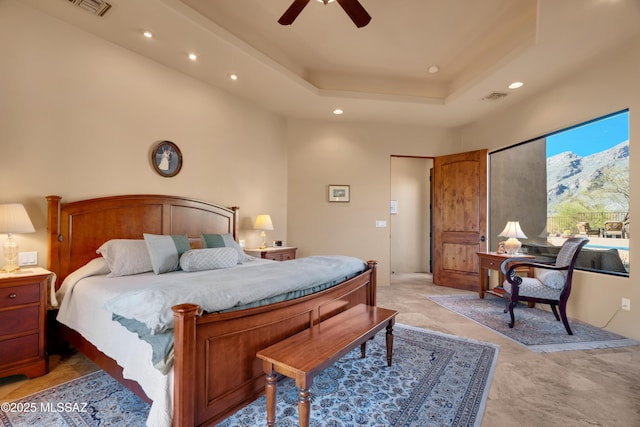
536, 329
95, 399
435, 380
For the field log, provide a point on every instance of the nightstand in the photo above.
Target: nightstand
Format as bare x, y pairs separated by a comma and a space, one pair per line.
23, 316
282, 253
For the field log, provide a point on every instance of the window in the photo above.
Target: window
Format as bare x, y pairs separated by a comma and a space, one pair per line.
574, 182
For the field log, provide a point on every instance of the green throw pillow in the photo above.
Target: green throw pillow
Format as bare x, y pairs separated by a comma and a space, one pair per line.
165, 251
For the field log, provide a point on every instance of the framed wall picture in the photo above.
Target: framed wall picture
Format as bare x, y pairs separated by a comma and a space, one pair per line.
166, 159
501, 248
339, 193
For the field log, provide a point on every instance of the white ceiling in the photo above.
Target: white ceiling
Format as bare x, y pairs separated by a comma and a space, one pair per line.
378, 72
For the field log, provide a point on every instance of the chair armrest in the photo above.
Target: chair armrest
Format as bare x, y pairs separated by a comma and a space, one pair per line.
509, 266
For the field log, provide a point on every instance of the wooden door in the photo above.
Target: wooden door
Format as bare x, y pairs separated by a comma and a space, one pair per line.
459, 218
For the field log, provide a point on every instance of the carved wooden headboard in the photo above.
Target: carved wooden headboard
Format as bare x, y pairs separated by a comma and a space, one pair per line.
77, 229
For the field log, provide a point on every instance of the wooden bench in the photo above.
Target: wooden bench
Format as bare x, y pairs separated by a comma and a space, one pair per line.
307, 353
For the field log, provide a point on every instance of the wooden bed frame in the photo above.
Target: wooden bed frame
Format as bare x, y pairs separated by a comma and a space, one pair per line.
216, 371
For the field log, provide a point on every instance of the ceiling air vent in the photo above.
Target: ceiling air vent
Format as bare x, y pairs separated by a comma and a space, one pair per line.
97, 7
494, 96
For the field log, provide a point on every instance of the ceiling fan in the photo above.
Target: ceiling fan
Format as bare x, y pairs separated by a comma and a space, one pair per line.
353, 8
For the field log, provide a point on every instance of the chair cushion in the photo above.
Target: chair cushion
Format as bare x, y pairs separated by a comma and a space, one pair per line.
552, 278
532, 287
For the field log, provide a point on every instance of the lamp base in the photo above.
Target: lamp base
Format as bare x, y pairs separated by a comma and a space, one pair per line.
10, 250
9, 268
512, 246
263, 245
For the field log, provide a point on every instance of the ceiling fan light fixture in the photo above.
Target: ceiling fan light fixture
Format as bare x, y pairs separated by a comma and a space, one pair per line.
326, 1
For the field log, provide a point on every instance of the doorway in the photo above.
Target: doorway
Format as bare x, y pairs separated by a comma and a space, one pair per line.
410, 219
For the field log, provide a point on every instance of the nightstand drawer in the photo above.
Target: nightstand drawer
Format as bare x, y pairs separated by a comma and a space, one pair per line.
18, 349
18, 295
273, 256
21, 320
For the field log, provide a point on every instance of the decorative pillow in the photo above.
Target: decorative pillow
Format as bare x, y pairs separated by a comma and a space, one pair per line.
208, 259
221, 241
551, 278
125, 257
165, 251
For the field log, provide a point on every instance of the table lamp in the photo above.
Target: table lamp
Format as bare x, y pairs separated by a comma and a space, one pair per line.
513, 231
263, 222
13, 219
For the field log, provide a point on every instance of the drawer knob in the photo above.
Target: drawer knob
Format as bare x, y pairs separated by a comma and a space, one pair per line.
13, 295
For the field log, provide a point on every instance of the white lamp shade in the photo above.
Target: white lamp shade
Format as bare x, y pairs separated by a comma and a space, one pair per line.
512, 229
263, 222
14, 219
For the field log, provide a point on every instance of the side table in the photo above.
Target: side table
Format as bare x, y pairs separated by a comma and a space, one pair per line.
23, 317
280, 253
493, 261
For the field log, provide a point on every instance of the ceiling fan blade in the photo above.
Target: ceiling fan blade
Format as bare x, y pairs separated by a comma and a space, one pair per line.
292, 13
356, 12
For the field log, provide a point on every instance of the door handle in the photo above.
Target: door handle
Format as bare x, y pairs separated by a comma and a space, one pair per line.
482, 238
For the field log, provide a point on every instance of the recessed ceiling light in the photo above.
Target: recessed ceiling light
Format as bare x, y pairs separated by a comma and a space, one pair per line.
337, 111
233, 76
193, 56
516, 85
433, 69
148, 34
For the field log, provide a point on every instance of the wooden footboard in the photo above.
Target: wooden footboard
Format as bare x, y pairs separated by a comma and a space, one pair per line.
216, 371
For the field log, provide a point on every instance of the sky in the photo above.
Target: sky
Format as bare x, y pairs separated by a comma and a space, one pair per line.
591, 137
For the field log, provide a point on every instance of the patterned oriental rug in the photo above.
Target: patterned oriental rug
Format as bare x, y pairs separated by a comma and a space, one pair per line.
535, 328
435, 380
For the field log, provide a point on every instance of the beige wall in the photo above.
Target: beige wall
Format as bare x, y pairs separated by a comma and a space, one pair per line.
410, 233
610, 85
79, 115
357, 154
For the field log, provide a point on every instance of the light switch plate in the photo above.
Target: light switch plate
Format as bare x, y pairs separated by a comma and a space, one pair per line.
27, 258
381, 223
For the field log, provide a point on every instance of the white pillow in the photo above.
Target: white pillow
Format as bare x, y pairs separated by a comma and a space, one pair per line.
551, 278
208, 259
224, 240
125, 257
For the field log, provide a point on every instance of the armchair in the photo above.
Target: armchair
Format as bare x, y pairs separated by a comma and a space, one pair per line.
585, 228
552, 284
614, 229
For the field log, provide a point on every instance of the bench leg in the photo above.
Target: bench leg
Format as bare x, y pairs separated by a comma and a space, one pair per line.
389, 341
303, 407
270, 389
363, 350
